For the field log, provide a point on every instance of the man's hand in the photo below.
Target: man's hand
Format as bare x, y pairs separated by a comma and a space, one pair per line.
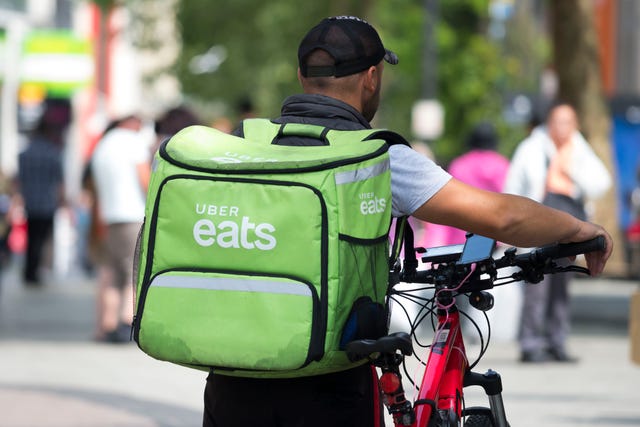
595, 260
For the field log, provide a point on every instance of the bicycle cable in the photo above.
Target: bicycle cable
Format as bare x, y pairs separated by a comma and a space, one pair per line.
484, 344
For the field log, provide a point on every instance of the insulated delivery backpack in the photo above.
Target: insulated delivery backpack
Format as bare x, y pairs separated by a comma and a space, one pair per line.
263, 260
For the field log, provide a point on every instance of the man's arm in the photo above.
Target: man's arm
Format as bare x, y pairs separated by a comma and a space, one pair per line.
511, 219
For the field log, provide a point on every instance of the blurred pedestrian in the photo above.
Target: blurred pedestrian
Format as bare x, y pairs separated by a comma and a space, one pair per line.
41, 184
481, 166
246, 108
556, 166
6, 206
171, 122
223, 124
120, 172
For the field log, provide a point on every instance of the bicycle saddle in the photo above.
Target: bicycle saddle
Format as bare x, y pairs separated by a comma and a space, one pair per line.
359, 349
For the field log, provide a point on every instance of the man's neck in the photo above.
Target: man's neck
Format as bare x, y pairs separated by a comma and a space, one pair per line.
347, 98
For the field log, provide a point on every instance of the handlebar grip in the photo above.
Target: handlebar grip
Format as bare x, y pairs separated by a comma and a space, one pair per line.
565, 250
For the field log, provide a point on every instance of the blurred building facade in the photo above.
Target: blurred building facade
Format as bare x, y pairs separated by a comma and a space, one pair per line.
91, 58
99, 58
620, 55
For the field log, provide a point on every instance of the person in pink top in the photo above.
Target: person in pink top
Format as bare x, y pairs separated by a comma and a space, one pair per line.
483, 167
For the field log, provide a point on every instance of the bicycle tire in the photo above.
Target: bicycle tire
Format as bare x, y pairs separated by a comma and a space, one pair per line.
478, 420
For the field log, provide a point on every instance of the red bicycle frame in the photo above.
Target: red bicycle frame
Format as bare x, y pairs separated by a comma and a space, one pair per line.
444, 373
442, 383
440, 400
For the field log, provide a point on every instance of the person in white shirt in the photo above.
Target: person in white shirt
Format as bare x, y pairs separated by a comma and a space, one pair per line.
120, 170
556, 166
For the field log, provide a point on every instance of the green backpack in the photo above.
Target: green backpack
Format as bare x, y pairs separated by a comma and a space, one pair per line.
263, 260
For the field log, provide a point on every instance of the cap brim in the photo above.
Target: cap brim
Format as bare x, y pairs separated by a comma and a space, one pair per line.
390, 57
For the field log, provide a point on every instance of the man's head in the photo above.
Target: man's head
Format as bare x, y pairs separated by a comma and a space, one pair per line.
131, 122
562, 122
483, 137
342, 57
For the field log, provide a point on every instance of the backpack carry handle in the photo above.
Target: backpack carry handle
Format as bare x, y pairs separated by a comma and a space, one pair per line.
303, 130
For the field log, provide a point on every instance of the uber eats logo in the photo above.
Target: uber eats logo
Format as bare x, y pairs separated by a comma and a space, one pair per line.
370, 204
223, 226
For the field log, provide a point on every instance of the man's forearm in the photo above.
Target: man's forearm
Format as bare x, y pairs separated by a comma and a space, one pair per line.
512, 219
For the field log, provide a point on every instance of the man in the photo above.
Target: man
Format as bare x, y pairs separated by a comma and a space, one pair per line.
41, 181
555, 166
120, 170
340, 69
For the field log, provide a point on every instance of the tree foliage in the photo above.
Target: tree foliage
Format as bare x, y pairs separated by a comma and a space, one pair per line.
261, 40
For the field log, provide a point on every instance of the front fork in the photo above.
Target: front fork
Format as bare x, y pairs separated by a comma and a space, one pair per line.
491, 382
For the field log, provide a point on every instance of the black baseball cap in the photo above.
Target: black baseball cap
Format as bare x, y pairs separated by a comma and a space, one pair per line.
352, 42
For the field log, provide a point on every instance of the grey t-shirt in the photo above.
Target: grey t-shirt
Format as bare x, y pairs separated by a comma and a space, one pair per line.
414, 179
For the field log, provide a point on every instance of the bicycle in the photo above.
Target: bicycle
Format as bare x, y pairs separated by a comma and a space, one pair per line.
453, 271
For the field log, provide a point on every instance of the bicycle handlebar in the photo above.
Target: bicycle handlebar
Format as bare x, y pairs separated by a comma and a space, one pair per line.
533, 264
553, 252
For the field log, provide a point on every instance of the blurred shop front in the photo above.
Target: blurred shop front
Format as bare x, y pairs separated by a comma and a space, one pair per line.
625, 112
62, 53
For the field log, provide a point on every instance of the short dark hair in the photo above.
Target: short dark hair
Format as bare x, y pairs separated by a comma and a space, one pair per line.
175, 119
483, 136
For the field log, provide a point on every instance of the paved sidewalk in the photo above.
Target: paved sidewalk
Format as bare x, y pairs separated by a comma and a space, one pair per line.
53, 374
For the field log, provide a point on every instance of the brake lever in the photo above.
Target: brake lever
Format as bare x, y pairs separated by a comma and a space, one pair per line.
537, 275
530, 277
573, 268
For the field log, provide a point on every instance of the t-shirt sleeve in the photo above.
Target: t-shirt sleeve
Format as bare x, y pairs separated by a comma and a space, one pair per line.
414, 179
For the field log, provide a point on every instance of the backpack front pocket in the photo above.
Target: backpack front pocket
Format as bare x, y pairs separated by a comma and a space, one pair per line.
236, 321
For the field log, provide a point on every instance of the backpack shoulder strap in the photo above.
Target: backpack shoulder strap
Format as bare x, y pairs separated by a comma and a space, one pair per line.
403, 238
268, 132
391, 137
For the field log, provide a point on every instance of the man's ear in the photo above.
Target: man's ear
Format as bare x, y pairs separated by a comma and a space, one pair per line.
299, 76
371, 79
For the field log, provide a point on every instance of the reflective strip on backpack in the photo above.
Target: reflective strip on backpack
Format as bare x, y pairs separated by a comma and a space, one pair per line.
231, 284
362, 174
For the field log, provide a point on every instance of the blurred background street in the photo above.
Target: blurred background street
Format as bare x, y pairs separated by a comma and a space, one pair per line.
72, 67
